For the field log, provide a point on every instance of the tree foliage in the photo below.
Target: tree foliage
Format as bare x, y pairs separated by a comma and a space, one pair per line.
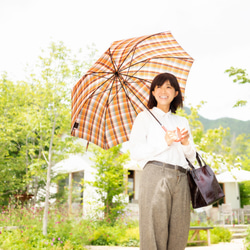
110, 179
217, 145
35, 123
35, 131
241, 77
14, 140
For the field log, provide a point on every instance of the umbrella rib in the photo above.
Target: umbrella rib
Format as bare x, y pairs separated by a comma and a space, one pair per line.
130, 64
116, 70
135, 46
117, 86
90, 96
130, 101
131, 51
107, 104
147, 60
98, 72
103, 113
94, 91
138, 78
113, 63
121, 87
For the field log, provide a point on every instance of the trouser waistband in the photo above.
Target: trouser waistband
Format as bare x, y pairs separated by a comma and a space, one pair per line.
167, 165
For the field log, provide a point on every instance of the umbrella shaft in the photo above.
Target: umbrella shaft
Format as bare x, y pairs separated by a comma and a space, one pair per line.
163, 127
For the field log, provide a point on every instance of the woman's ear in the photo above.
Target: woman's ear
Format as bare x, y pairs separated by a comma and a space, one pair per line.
176, 93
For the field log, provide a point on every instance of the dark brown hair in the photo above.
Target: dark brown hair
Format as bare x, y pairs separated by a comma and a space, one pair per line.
159, 80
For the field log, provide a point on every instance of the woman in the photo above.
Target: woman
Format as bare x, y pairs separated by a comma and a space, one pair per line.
164, 196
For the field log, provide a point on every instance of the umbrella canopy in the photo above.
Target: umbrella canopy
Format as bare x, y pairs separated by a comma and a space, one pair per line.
235, 175
106, 100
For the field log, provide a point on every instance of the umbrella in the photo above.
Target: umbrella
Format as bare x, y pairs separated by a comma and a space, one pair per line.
235, 175
106, 100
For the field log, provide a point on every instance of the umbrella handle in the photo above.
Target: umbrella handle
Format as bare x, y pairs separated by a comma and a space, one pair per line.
164, 128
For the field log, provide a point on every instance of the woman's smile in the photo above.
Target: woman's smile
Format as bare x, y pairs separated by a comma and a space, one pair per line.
164, 95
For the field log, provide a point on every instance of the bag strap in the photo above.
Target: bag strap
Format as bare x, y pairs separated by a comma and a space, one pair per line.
190, 164
199, 159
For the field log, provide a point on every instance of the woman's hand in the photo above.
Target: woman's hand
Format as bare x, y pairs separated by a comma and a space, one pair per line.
171, 137
183, 136
177, 136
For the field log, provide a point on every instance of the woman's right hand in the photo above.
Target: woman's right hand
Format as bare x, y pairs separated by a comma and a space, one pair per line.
170, 137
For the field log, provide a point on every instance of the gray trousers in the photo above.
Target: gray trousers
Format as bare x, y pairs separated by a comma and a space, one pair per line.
164, 209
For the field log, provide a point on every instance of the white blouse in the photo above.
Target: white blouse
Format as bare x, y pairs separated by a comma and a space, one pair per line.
147, 139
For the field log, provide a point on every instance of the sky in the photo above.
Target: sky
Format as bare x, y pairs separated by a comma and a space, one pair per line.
215, 33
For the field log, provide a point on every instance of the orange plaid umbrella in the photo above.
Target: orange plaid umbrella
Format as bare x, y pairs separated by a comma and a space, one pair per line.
106, 100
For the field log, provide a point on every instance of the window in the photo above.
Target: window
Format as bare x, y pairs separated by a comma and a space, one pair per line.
63, 192
77, 187
131, 184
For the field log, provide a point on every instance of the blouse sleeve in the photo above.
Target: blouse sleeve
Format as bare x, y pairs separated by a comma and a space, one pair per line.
140, 149
189, 150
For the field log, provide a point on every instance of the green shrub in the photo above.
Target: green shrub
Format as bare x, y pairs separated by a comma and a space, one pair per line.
131, 238
64, 232
220, 234
122, 233
67, 232
247, 242
217, 234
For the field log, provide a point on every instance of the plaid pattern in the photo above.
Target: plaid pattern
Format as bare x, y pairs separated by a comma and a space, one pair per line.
106, 100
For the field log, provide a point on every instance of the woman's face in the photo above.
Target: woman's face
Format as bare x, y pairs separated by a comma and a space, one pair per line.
164, 95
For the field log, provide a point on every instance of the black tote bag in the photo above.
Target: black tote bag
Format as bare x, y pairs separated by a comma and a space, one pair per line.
204, 187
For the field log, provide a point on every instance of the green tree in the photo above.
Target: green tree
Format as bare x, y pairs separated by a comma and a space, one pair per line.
195, 125
214, 143
52, 82
241, 77
14, 103
35, 121
110, 179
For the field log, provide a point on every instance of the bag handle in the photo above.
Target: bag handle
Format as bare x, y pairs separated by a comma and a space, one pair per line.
200, 161
192, 167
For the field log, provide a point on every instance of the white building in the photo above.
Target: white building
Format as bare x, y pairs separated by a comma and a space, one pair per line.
80, 167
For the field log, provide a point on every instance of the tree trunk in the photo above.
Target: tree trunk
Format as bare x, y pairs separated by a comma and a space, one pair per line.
46, 205
70, 193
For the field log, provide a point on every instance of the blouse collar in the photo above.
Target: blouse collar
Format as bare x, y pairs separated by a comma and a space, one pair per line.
162, 113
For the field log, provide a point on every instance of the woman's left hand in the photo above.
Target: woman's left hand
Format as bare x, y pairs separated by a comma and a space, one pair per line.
183, 136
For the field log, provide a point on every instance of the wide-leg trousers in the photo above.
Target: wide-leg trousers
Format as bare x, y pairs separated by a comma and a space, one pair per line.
164, 208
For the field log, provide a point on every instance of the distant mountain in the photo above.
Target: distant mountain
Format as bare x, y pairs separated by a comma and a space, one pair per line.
236, 126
